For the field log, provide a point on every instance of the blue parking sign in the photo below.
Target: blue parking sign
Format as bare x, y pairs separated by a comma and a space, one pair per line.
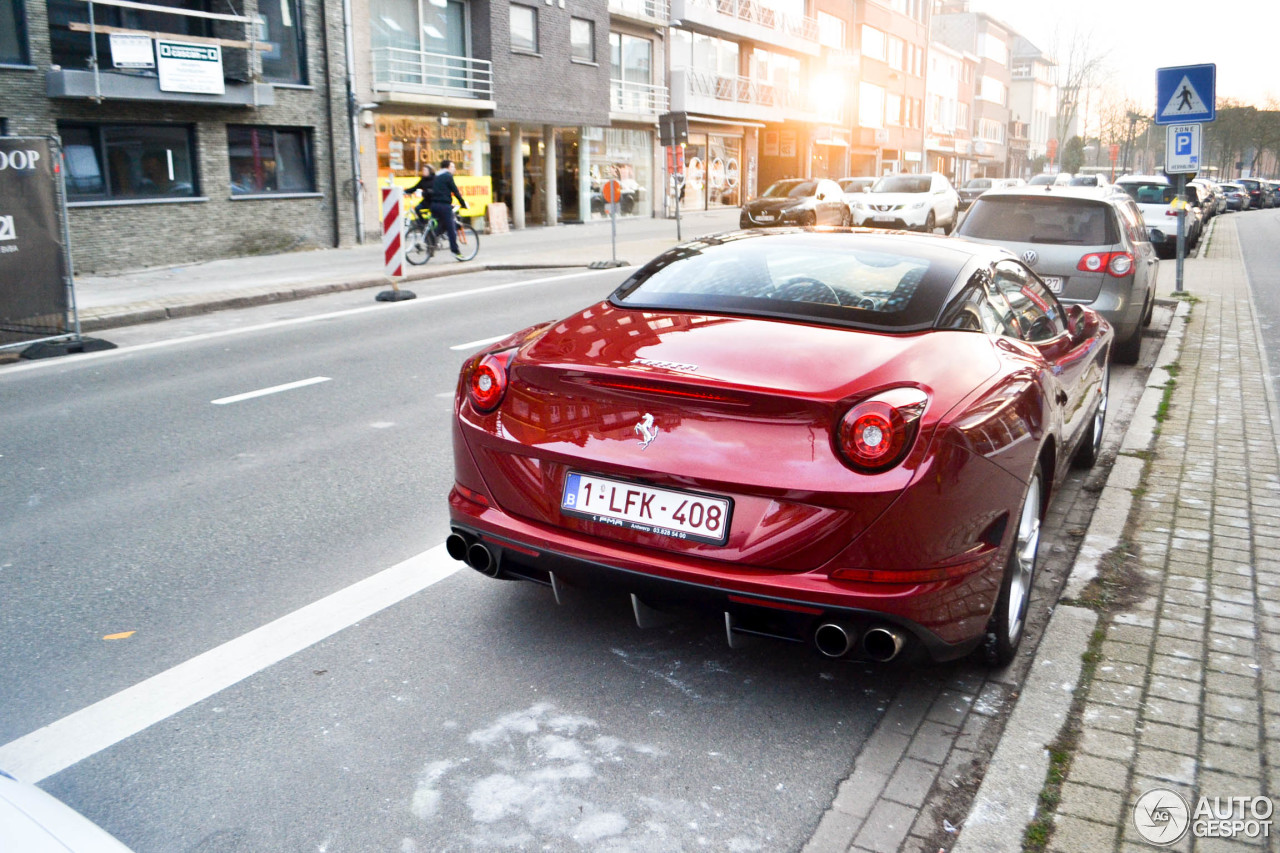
1186, 93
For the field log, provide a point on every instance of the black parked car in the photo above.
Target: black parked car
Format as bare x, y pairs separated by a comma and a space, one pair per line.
797, 201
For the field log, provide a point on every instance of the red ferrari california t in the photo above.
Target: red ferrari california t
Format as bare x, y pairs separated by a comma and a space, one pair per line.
843, 438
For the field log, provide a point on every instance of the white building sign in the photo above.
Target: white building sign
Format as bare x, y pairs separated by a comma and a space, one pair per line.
185, 67
132, 51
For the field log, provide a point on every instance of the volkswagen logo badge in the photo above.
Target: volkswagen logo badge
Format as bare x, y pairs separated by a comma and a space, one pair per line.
1030, 257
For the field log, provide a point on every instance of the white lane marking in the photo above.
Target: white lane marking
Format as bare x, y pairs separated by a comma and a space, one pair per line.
477, 344
274, 389
77, 736
408, 304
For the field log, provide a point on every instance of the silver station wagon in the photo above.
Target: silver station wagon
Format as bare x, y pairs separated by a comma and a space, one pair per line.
1088, 244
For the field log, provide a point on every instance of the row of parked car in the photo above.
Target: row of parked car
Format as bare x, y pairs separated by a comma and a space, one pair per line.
1090, 241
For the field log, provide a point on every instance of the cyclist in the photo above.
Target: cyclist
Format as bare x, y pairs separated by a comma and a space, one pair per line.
443, 191
424, 184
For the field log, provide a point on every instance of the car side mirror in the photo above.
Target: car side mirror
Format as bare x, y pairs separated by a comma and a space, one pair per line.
1081, 324
1155, 235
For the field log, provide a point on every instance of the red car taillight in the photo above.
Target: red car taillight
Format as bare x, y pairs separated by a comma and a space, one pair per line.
488, 381
877, 433
1118, 264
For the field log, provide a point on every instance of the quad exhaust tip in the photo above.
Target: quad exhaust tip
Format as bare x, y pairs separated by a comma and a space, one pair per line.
833, 640
475, 554
880, 644
456, 547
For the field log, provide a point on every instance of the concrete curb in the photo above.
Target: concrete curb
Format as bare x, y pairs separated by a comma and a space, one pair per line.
1006, 801
97, 319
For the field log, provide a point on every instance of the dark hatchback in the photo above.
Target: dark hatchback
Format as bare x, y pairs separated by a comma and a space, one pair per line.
797, 201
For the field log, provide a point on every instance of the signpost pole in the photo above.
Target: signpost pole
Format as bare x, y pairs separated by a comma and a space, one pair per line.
1182, 228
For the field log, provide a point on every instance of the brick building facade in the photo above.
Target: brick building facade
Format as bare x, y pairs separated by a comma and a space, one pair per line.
159, 173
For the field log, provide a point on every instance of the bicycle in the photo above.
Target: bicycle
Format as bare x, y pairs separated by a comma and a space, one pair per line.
422, 239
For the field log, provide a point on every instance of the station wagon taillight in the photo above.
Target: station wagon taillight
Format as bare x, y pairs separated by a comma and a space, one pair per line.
1118, 264
877, 433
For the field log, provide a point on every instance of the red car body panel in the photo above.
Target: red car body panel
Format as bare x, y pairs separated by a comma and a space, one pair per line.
746, 408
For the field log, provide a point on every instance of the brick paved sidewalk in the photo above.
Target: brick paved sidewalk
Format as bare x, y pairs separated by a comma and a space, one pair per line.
1185, 694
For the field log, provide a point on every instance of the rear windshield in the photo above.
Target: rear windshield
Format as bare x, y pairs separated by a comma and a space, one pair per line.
903, 184
979, 184
1150, 193
1040, 219
856, 184
860, 280
792, 189
1041, 180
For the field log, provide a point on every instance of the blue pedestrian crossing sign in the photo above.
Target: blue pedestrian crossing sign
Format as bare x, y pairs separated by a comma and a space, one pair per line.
1186, 94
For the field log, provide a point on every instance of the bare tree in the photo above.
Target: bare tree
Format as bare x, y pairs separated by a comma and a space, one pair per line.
1080, 67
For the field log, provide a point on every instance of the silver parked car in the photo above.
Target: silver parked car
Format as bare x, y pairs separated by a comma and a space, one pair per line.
1089, 245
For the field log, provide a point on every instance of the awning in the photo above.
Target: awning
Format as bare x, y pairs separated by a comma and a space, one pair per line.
731, 122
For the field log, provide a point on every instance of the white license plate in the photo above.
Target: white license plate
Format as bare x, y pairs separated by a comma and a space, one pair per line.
1053, 282
765, 217
884, 218
680, 515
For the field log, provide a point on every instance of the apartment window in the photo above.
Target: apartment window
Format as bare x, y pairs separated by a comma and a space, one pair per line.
895, 48
73, 50
870, 105
992, 90
991, 131
13, 33
119, 162
524, 28
582, 39
280, 26
831, 31
630, 59
893, 109
993, 48
266, 160
781, 71
873, 43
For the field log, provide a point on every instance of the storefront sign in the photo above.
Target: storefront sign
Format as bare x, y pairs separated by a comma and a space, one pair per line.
787, 143
185, 67
33, 282
478, 191
770, 143
132, 51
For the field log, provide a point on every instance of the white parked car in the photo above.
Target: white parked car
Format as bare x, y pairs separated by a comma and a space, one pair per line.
32, 821
915, 202
1156, 198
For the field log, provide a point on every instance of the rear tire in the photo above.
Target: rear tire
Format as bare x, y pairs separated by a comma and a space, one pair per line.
1009, 621
1091, 444
468, 241
1128, 350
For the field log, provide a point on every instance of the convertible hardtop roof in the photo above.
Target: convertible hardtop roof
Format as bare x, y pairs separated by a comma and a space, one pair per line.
869, 279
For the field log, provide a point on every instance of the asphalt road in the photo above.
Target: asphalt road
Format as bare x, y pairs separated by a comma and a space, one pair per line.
141, 496
1260, 245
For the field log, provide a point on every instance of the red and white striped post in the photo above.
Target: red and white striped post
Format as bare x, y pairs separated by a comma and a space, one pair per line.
393, 244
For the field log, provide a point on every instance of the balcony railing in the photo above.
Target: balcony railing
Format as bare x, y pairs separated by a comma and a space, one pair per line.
637, 98
752, 11
653, 11
418, 72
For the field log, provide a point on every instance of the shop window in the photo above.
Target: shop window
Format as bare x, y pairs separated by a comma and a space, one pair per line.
267, 160
524, 28
117, 162
582, 39
280, 26
13, 33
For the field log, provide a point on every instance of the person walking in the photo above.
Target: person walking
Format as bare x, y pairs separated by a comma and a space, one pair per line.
424, 186
443, 191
